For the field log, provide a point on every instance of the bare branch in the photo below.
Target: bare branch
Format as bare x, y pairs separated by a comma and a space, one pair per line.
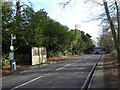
97, 3
118, 21
65, 3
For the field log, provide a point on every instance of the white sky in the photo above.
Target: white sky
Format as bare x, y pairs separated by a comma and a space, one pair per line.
75, 13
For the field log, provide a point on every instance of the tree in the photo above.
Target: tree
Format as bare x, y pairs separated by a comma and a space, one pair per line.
106, 40
7, 19
21, 24
55, 36
115, 33
115, 28
37, 26
38, 29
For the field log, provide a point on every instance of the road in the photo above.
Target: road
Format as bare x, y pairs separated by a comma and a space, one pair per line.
70, 73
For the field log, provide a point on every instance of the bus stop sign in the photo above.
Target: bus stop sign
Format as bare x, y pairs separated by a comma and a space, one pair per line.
11, 55
13, 37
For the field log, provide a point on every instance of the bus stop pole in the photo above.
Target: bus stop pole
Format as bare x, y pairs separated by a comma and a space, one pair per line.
12, 61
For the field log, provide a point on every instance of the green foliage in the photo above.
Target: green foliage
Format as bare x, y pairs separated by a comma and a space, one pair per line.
7, 19
38, 29
5, 60
22, 58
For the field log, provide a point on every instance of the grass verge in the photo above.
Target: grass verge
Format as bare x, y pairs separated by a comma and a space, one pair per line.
111, 72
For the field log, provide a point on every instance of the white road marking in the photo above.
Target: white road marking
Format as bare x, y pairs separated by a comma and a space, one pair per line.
66, 65
40, 77
26, 82
77, 61
59, 68
62, 67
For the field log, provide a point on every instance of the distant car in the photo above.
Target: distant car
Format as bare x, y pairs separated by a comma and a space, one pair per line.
107, 52
97, 50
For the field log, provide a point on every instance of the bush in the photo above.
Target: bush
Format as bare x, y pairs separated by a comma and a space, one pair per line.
50, 54
5, 60
23, 58
59, 54
67, 53
114, 54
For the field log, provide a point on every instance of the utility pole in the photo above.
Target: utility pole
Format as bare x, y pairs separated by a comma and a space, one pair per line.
75, 29
76, 26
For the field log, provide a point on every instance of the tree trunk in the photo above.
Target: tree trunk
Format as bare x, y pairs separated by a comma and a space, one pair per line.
114, 33
118, 55
118, 21
18, 8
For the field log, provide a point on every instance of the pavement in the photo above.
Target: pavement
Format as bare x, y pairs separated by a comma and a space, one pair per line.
97, 80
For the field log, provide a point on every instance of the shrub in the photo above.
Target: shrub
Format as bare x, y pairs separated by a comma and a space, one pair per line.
114, 54
23, 58
67, 53
5, 60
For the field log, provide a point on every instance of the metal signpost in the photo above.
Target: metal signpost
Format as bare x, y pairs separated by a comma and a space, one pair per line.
11, 54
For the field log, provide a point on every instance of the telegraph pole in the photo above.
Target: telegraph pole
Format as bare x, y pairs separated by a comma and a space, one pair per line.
75, 29
76, 26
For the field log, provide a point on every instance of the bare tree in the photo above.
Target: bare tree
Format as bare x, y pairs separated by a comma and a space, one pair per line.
105, 39
115, 28
115, 33
18, 7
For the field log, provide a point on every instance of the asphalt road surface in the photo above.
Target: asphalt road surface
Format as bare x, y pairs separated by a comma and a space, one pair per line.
70, 73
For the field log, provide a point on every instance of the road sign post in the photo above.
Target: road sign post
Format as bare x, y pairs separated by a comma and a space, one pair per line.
11, 54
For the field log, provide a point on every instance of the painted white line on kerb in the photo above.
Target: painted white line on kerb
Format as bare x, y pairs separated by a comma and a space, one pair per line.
26, 83
63, 67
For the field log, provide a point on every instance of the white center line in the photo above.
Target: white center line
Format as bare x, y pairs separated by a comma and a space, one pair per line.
62, 67
40, 77
66, 65
77, 61
26, 82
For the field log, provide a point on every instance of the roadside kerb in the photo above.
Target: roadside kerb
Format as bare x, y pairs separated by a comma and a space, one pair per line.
97, 80
90, 75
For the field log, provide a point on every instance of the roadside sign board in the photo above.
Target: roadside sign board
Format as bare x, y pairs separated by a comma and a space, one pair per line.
11, 55
13, 37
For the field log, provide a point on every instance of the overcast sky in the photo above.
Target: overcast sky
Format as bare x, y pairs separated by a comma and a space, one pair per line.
75, 13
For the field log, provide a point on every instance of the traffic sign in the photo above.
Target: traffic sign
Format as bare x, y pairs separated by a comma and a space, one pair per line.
14, 37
